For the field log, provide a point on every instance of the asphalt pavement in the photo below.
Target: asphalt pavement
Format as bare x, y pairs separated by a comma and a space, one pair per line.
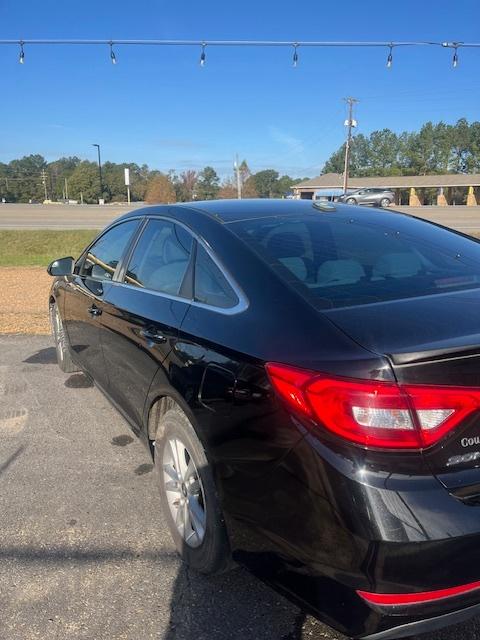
57, 216
84, 553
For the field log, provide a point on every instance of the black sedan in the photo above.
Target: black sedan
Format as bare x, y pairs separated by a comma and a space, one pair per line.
307, 377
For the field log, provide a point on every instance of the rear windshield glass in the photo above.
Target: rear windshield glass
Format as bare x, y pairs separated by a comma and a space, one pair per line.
337, 261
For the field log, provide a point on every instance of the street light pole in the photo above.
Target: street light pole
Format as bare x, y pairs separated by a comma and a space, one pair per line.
99, 172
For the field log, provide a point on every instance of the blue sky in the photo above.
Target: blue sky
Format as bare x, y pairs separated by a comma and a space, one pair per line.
157, 106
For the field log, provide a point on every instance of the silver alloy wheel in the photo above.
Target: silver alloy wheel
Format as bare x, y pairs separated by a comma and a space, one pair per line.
385, 202
184, 491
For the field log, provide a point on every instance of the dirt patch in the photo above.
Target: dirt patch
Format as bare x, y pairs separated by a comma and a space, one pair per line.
25, 300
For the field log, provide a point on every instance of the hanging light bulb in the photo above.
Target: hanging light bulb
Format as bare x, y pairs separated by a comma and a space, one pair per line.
112, 54
455, 58
21, 57
390, 57
295, 55
203, 56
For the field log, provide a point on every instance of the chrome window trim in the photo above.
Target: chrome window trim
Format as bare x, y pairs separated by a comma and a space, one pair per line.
242, 303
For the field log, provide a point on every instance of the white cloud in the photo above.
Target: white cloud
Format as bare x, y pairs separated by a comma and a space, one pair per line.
292, 144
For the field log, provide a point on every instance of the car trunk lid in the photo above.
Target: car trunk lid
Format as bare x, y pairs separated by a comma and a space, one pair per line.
431, 340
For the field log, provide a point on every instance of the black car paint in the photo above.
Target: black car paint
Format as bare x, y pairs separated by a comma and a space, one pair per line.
314, 516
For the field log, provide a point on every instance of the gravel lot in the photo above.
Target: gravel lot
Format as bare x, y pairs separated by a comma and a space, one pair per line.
84, 553
24, 306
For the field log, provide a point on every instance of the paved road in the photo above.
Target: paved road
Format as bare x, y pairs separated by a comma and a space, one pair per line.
84, 553
24, 216
58, 216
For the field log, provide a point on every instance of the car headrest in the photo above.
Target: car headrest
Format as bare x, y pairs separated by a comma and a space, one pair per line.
297, 266
286, 245
339, 272
397, 265
172, 251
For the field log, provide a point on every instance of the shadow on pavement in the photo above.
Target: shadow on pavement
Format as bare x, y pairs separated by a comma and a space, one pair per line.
67, 554
44, 356
78, 381
4, 465
232, 605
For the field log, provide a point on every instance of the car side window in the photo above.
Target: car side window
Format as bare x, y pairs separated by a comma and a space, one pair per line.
211, 286
161, 257
102, 258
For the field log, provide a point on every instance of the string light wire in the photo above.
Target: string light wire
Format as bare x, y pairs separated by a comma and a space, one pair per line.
245, 43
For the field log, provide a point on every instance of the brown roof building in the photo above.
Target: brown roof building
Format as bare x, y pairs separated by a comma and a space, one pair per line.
450, 188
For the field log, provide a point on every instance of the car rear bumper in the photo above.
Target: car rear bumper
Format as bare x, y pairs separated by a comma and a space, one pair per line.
426, 625
341, 526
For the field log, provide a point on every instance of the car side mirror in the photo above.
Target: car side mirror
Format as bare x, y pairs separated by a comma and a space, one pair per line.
61, 267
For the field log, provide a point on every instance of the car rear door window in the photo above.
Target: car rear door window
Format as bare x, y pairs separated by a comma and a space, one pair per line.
102, 258
355, 261
211, 286
161, 258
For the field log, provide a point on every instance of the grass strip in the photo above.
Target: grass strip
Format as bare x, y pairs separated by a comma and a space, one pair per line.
31, 248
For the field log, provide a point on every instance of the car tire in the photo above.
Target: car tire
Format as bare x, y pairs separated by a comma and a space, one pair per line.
188, 496
351, 201
385, 202
62, 346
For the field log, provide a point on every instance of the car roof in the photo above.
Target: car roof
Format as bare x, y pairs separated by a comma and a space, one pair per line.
226, 211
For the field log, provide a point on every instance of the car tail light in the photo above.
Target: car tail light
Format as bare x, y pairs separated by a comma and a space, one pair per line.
374, 413
424, 597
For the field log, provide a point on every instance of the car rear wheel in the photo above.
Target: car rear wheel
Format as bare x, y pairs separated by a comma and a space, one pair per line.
60, 338
188, 495
385, 202
351, 201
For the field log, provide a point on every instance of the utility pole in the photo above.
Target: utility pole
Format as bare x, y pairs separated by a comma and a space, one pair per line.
44, 181
99, 173
350, 123
236, 166
66, 189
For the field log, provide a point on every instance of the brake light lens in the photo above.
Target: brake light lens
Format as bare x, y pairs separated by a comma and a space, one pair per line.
372, 413
401, 599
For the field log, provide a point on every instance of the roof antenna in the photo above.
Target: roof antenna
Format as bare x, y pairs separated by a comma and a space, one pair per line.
324, 205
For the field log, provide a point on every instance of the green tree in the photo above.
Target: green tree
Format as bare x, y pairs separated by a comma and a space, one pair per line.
244, 171
84, 182
25, 178
266, 183
59, 171
436, 148
207, 186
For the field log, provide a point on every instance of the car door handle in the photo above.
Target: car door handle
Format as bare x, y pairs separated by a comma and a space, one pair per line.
153, 336
94, 311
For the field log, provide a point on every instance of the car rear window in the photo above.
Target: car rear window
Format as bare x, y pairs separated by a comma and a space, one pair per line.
338, 261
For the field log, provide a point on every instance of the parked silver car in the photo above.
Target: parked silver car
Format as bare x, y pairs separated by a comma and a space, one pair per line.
375, 197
